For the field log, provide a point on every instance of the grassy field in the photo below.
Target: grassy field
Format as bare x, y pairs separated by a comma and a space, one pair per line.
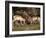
26, 27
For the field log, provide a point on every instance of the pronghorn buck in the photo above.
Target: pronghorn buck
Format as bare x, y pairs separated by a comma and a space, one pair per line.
18, 19
35, 20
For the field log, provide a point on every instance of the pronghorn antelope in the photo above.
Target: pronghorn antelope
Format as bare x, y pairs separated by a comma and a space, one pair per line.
18, 19
33, 20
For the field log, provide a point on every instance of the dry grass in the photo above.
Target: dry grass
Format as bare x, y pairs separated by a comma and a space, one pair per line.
26, 27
